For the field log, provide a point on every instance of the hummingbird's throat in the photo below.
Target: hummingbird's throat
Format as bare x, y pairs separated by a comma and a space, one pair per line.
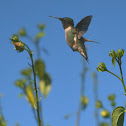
68, 29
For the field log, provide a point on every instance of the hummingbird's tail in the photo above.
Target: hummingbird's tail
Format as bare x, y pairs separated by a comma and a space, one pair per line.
87, 40
83, 52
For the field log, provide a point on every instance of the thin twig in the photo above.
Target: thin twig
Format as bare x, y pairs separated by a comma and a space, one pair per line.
96, 98
122, 76
81, 93
114, 75
36, 91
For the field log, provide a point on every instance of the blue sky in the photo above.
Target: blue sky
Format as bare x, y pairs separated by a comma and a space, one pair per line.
107, 27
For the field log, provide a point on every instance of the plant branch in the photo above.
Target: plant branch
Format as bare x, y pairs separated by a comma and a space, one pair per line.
114, 75
36, 91
122, 76
96, 97
81, 93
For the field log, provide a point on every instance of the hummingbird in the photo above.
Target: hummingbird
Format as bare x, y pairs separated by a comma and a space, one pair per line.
73, 35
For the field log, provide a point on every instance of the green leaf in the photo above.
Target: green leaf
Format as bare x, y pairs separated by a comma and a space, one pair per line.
40, 68
30, 96
123, 52
45, 85
4, 123
27, 72
20, 83
118, 116
113, 61
39, 35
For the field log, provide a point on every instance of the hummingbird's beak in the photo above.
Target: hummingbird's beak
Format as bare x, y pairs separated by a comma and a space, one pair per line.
54, 17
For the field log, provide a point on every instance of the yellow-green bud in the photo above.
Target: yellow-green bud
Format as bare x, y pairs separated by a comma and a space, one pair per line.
105, 113
84, 101
113, 104
101, 67
98, 104
111, 97
22, 32
14, 38
112, 54
41, 26
104, 124
120, 53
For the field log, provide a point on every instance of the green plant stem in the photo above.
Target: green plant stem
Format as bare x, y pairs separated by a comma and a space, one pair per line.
96, 98
81, 93
36, 91
122, 77
36, 43
114, 75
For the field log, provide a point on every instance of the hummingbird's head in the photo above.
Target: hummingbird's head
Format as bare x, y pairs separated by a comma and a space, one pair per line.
66, 21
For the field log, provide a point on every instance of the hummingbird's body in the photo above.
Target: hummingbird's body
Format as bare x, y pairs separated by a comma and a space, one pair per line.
73, 35
75, 43
69, 36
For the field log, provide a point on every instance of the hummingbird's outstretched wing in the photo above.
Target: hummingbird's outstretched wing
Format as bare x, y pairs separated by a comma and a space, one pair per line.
82, 26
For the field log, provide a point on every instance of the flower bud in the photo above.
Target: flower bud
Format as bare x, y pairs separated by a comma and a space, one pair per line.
120, 53
105, 113
104, 124
98, 104
14, 38
19, 46
84, 101
112, 54
41, 26
101, 67
113, 104
22, 32
111, 97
